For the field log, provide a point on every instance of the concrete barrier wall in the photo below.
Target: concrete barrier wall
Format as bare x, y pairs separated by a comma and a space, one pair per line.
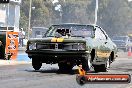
21, 50
123, 55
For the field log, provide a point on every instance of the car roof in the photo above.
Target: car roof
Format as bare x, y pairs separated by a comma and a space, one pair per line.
73, 24
41, 27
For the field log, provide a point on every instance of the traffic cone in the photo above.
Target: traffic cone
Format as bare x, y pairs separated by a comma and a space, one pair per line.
129, 51
81, 71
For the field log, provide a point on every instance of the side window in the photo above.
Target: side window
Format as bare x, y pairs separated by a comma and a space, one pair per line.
99, 34
37, 33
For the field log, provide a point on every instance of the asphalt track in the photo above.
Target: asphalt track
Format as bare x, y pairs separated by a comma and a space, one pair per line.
24, 76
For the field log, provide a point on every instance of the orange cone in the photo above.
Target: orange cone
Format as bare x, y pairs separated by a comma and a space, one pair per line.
81, 71
129, 51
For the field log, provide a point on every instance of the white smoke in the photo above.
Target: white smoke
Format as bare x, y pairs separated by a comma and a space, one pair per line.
55, 1
58, 7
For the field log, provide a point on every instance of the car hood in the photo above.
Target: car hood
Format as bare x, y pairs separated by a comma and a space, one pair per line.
53, 39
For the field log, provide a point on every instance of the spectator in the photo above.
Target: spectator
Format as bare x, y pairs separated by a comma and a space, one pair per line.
21, 37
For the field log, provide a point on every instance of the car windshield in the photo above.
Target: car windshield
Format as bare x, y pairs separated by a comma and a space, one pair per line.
72, 30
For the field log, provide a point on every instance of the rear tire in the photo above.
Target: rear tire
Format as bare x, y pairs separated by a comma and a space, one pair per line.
36, 63
99, 68
102, 67
63, 66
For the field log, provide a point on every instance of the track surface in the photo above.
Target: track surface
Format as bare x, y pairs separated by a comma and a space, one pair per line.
24, 76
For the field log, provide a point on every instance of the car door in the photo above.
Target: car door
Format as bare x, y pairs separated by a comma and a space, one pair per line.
110, 45
102, 43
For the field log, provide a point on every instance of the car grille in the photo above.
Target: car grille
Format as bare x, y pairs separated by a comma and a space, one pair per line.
64, 46
45, 46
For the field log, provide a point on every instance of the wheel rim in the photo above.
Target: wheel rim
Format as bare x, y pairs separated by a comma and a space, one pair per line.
107, 64
89, 62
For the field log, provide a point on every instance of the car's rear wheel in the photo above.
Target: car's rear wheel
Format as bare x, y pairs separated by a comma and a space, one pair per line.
36, 63
99, 68
102, 67
64, 66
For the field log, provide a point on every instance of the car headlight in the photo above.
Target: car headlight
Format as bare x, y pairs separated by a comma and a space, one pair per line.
75, 46
32, 46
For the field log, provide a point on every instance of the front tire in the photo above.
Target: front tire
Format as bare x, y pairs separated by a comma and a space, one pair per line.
36, 63
86, 64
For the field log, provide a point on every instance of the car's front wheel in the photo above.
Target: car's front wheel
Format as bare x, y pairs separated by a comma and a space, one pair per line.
86, 64
36, 63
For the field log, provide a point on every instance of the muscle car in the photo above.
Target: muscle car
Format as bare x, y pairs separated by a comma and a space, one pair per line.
73, 44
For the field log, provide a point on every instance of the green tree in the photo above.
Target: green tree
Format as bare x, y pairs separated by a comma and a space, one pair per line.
114, 16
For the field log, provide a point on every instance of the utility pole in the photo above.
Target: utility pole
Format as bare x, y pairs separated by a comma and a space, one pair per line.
96, 12
61, 16
29, 22
7, 16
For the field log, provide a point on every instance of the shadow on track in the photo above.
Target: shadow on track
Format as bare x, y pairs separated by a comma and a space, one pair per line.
57, 71
123, 68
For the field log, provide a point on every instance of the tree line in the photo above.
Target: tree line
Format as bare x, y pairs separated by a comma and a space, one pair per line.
113, 15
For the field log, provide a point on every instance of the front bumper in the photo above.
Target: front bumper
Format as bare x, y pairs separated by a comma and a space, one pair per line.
54, 53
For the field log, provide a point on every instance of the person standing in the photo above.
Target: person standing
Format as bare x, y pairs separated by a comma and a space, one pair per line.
21, 37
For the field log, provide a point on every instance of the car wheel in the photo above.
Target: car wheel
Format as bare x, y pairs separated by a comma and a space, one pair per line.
107, 65
102, 67
99, 68
63, 66
86, 63
36, 63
